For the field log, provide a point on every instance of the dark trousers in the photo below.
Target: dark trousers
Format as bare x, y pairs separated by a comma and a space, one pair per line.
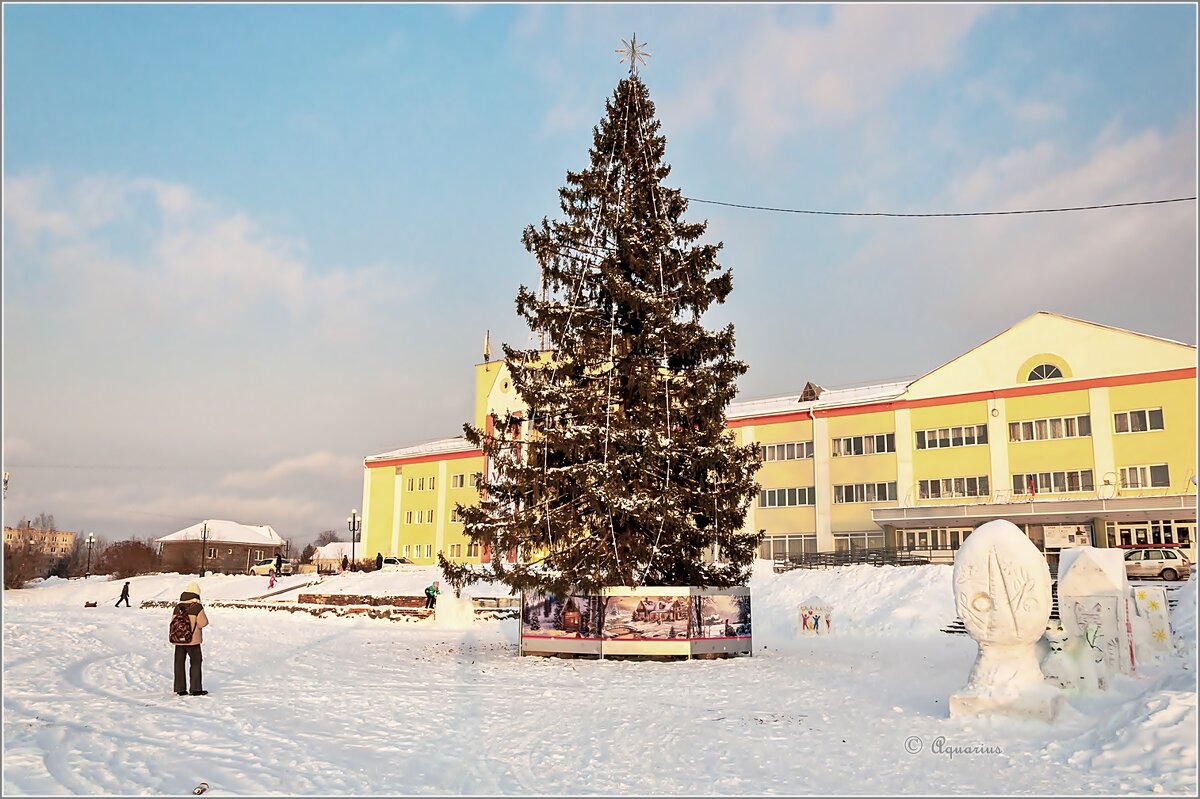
182, 652
124, 599
430, 600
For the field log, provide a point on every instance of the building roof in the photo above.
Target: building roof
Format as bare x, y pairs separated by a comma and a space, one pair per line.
829, 398
227, 532
438, 447
335, 550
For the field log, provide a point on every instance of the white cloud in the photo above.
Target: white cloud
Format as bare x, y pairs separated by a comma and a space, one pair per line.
779, 78
313, 464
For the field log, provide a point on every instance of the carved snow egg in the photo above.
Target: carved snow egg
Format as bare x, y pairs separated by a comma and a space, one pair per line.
1001, 585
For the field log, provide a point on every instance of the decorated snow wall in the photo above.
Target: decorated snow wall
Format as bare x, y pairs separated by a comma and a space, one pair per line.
815, 616
648, 621
1093, 590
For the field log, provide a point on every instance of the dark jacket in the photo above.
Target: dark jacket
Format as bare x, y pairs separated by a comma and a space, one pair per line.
125, 591
379, 560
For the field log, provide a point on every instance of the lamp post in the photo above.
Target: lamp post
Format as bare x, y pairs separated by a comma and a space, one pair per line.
91, 542
354, 524
203, 546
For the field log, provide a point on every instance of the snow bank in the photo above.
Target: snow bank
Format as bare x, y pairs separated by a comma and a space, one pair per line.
873, 600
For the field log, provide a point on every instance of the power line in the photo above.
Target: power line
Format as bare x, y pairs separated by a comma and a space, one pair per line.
923, 216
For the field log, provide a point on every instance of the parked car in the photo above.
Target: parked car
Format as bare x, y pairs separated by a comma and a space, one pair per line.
394, 562
266, 566
1169, 564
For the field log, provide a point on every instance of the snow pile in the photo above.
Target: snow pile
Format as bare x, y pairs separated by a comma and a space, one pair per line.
1183, 620
871, 600
163, 587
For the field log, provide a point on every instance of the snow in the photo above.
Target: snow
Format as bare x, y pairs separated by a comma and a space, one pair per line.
1090, 571
301, 705
223, 530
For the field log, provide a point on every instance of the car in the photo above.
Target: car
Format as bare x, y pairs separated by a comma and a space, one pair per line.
266, 566
1169, 564
395, 562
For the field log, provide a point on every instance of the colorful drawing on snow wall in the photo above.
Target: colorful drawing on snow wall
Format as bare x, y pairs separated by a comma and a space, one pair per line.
551, 616
663, 618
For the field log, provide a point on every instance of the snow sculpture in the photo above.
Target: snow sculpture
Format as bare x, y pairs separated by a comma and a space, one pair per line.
816, 616
452, 612
1093, 589
1151, 605
1073, 662
1002, 593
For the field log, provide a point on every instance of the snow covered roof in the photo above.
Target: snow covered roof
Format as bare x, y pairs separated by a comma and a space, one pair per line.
830, 397
438, 447
228, 532
335, 550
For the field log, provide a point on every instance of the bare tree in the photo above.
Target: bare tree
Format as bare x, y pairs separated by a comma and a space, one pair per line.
327, 537
44, 522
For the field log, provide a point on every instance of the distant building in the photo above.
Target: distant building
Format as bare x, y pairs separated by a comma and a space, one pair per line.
328, 558
227, 546
52, 543
1078, 432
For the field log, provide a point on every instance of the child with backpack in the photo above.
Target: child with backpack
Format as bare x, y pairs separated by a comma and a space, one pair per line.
187, 622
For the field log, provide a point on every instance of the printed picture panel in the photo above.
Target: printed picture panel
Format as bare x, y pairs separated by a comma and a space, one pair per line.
552, 616
662, 618
719, 616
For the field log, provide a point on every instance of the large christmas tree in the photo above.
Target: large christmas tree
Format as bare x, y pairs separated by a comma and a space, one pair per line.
620, 472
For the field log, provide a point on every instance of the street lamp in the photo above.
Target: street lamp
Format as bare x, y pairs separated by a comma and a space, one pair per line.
203, 546
354, 524
91, 542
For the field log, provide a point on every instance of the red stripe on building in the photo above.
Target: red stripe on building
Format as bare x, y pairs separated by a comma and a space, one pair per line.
1050, 387
415, 459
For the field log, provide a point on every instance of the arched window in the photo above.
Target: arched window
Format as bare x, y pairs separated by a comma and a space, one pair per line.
1045, 371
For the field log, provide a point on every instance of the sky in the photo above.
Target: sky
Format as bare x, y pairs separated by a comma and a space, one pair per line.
246, 246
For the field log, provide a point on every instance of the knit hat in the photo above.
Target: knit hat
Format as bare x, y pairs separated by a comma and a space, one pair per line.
192, 588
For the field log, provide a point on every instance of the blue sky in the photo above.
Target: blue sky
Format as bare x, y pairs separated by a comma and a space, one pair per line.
245, 246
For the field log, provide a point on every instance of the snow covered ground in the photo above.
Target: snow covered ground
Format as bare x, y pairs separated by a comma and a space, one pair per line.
352, 706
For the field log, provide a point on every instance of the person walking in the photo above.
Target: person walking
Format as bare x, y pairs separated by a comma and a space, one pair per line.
345, 562
279, 564
431, 594
271, 582
378, 561
124, 596
189, 615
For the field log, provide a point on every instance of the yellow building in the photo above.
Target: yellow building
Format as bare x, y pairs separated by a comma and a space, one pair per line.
1076, 431
55, 543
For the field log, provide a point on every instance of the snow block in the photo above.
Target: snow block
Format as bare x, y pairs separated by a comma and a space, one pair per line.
1093, 591
1151, 605
650, 621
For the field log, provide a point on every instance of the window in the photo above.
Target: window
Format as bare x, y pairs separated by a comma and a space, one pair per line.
212, 552
430, 515
476, 479
786, 497
457, 480
421, 484
429, 550
420, 517
472, 550
864, 445
1139, 421
1048, 429
1046, 371
455, 517
795, 450
410, 484
406, 550
456, 550
408, 517
1060, 482
859, 492
432, 483
953, 487
1145, 476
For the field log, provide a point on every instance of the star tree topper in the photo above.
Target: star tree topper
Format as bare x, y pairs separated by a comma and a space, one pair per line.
634, 51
